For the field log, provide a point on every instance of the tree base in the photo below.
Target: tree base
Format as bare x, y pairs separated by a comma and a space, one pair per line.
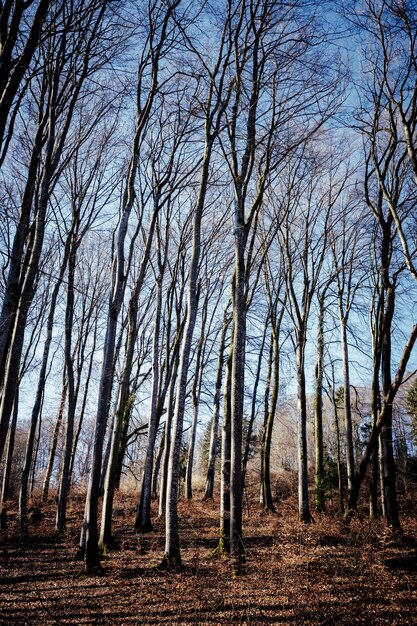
306, 518
147, 527
171, 564
238, 564
108, 545
222, 549
267, 508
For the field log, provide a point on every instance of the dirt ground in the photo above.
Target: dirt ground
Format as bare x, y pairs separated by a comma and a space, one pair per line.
294, 574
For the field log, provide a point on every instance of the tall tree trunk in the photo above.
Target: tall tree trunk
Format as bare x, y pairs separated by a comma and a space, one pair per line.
318, 411
389, 476
350, 459
40, 390
211, 466
157, 467
64, 483
8, 463
375, 407
143, 517
266, 493
172, 555
55, 435
266, 413
224, 531
120, 272
303, 498
167, 436
122, 410
195, 394
338, 451
238, 379
13, 284
29, 272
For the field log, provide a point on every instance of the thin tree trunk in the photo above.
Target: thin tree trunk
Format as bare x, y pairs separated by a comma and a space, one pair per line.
167, 436
195, 394
379, 447
122, 406
266, 493
372, 442
54, 443
6, 490
389, 475
143, 517
64, 483
157, 467
172, 555
375, 400
224, 531
238, 379
350, 459
209, 488
318, 411
118, 287
338, 452
303, 498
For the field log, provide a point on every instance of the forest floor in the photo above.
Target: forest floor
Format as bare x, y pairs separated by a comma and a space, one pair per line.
294, 573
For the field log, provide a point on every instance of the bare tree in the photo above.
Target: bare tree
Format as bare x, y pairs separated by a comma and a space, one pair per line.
213, 106
159, 37
21, 28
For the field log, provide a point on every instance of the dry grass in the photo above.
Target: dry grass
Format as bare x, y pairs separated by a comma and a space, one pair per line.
294, 574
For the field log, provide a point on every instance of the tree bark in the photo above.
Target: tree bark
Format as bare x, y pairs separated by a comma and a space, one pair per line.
303, 498
224, 531
8, 463
350, 460
55, 435
209, 488
195, 394
143, 517
318, 410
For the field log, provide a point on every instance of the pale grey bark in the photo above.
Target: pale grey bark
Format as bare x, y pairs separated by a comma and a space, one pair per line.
350, 460
248, 442
167, 437
214, 430
124, 390
143, 517
39, 396
64, 481
54, 441
224, 529
172, 540
214, 108
195, 395
157, 466
150, 61
8, 463
319, 473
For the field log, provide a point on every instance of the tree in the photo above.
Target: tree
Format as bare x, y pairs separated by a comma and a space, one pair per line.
158, 39
56, 100
21, 27
213, 443
213, 106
